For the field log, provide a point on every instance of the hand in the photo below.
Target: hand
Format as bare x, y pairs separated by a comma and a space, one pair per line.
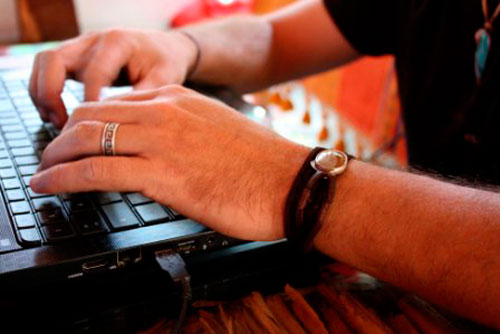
152, 59
183, 150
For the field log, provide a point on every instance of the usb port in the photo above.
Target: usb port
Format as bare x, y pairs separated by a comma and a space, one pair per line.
126, 257
95, 265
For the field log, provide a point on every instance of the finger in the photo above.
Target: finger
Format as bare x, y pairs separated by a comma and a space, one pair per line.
32, 88
51, 74
155, 78
141, 95
93, 174
114, 111
146, 84
110, 56
73, 50
42, 86
150, 94
84, 140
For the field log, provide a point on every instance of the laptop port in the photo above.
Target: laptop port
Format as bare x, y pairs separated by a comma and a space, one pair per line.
126, 257
95, 265
187, 247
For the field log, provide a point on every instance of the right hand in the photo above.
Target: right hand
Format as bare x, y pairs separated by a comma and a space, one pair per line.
151, 58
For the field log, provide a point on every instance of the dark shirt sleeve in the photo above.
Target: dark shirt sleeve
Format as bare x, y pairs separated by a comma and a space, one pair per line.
373, 27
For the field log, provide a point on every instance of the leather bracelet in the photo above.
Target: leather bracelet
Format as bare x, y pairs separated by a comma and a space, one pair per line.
312, 192
198, 53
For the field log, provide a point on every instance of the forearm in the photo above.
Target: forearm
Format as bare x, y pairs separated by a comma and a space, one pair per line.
433, 238
252, 52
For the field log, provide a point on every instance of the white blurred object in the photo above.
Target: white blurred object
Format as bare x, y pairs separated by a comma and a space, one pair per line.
143, 14
9, 28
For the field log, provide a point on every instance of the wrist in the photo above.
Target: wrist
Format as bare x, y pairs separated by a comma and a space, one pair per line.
193, 51
292, 161
328, 239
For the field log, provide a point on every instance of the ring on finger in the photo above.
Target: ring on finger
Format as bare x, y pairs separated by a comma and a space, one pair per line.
108, 139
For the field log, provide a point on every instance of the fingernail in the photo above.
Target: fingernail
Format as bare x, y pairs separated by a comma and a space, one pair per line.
35, 181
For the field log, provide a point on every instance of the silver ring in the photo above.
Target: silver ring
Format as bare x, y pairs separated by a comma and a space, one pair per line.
108, 138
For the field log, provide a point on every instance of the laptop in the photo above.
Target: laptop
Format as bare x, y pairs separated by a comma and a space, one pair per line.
73, 236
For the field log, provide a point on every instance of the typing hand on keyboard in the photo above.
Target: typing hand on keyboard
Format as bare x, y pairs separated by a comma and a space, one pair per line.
152, 59
50, 218
181, 149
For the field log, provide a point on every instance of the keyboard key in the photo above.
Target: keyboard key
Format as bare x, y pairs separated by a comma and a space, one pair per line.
4, 163
3, 153
33, 194
16, 135
106, 198
26, 180
29, 114
51, 217
67, 196
175, 214
33, 122
10, 121
46, 203
36, 129
11, 128
6, 105
11, 183
19, 93
15, 195
20, 207
28, 170
22, 102
120, 216
152, 213
24, 221
88, 222
138, 198
57, 232
6, 173
27, 109
19, 152
8, 115
29, 236
14, 143
13, 85
78, 203
27, 160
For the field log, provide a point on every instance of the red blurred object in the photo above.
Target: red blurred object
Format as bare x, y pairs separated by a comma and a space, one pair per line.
198, 10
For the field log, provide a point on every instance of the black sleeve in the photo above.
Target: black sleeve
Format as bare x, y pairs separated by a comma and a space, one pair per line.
373, 27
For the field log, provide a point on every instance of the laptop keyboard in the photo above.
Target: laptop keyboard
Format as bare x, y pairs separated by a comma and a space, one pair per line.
40, 219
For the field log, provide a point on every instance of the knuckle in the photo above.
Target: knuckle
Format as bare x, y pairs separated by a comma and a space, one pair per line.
82, 111
83, 131
173, 89
77, 114
93, 170
85, 34
114, 34
49, 54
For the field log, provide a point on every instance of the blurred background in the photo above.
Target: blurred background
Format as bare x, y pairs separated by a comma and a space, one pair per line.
355, 108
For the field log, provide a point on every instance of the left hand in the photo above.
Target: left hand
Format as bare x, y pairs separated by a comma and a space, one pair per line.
183, 150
